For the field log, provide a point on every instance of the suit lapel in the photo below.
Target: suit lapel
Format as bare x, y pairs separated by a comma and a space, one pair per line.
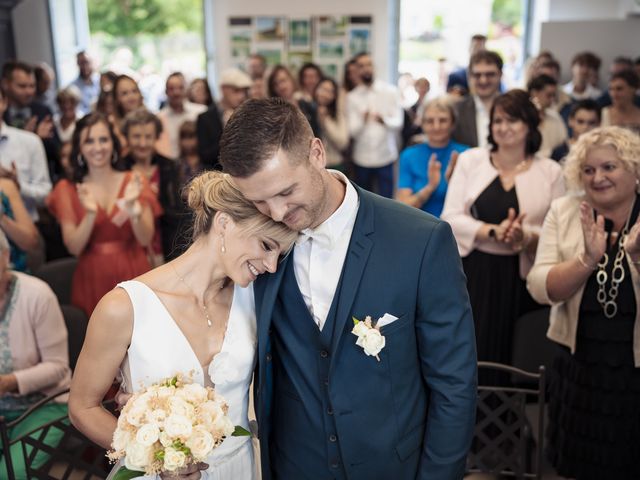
264, 309
354, 264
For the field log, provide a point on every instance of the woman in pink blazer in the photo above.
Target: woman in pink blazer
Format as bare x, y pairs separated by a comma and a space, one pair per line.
496, 203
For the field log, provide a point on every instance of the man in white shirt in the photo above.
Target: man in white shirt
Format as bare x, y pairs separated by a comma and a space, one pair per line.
375, 117
472, 123
23, 160
543, 90
584, 67
322, 392
88, 82
177, 111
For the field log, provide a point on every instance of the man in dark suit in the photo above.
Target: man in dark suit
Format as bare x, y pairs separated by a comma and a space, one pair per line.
338, 398
485, 73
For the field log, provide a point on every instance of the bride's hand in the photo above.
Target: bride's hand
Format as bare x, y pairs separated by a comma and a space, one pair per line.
192, 472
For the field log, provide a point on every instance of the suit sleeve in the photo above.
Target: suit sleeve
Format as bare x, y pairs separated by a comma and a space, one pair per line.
447, 347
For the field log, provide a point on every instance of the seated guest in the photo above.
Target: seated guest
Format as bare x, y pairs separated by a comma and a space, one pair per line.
199, 92
142, 128
282, 84
189, 160
421, 182
23, 160
623, 112
496, 203
332, 121
35, 362
16, 224
65, 123
177, 110
309, 76
587, 268
542, 90
584, 116
106, 215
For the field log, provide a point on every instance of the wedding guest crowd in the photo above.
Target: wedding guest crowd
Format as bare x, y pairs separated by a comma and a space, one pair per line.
102, 180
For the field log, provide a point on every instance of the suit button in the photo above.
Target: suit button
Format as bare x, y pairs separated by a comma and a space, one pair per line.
335, 463
324, 354
333, 438
326, 382
329, 411
268, 357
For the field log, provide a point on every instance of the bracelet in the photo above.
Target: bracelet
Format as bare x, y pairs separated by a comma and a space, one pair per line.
580, 258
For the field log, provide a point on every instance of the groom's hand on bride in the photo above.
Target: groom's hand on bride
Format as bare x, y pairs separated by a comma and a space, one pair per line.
192, 472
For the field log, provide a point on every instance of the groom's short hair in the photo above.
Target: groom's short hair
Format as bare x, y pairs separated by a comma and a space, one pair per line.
257, 130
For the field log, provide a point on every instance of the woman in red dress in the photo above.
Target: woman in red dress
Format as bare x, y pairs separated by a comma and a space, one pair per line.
106, 215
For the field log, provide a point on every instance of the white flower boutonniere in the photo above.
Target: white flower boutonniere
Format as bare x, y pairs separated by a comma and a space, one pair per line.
369, 336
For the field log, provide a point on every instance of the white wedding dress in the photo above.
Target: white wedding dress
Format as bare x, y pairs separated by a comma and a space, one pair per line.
159, 350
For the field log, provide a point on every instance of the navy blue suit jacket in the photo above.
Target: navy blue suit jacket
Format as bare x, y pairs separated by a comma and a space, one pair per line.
419, 401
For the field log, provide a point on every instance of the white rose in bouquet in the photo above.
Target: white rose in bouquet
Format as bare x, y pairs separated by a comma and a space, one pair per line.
200, 443
174, 459
170, 425
148, 434
178, 426
138, 457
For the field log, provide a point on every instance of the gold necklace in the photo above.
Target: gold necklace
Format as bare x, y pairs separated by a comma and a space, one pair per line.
204, 305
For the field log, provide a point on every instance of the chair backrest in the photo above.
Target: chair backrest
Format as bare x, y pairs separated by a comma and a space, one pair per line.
502, 432
58, 274
72, 456
531, 347
76, 321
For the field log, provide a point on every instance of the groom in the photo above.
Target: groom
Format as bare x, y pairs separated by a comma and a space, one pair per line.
327, 407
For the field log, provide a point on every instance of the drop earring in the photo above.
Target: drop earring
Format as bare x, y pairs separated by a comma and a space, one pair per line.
222, 248
80, 160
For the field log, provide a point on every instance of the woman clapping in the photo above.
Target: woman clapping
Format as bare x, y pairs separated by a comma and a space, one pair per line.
587, 269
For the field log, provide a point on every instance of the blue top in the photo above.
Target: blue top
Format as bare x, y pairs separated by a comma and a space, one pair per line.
414, 167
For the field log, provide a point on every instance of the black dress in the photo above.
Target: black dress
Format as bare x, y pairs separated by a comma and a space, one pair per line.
497, 293
594, 394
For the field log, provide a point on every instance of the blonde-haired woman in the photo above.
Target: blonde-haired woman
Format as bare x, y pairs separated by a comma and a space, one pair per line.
199, 307
587, 268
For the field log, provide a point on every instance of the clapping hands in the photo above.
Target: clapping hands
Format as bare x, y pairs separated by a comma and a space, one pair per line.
132, 190
87, 199
434, 169
595, 237
510, 231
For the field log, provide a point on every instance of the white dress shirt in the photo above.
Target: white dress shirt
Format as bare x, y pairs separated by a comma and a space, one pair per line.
375, 143
26, 152
319, 255
169, 142
482, 122
589, 92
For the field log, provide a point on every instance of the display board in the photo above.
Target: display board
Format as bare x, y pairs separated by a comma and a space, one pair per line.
329, 41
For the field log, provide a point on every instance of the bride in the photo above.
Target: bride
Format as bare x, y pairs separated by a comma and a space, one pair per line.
194, 315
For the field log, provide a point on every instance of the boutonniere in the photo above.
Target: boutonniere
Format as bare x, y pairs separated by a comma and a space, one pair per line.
369, 336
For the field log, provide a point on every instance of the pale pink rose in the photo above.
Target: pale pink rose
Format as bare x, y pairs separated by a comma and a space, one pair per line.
178, 406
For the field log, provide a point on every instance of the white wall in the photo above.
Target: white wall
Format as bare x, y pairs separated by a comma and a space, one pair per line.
377, 9
573, 10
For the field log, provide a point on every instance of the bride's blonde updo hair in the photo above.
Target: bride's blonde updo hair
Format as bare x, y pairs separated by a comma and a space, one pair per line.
214, 191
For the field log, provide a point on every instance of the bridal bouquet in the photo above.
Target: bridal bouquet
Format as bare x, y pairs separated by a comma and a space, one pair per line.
170, 425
